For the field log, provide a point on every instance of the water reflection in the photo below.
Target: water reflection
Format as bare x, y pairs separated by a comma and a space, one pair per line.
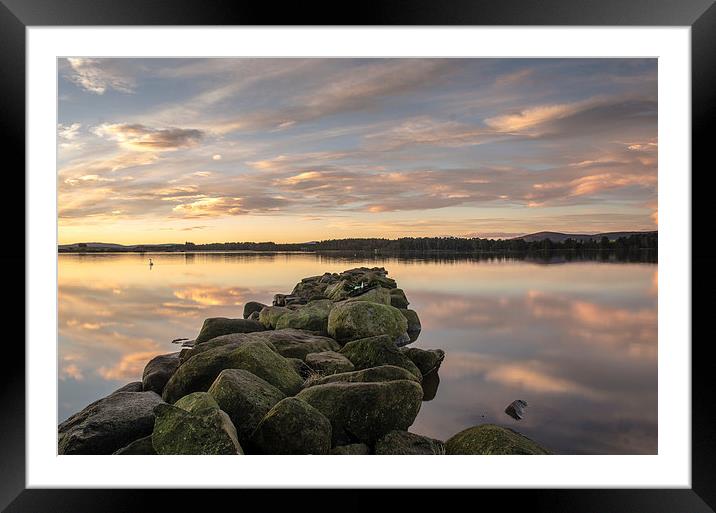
576, 340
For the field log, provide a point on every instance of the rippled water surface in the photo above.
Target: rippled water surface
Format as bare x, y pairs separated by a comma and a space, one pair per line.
577, 340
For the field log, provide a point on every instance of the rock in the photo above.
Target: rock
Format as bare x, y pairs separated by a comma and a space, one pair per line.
252, 306
516, 409
364, 412
414, 325
300, 366
398, 299
338, 291
309, 289
427, 360
216, 326
108, 424
200, 371
375, 295
353, 320
311, 317
351, 450
158, 371
402, 442
377, 351
292, 427
292, 343
134, 386
176, 431
329, 362
492, 439
255, 316
270, 315
286, 300
246, 398
197, 402
371, 375
141, 446
430, 384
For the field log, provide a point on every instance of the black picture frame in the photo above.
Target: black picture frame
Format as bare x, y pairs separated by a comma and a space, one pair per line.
700, 15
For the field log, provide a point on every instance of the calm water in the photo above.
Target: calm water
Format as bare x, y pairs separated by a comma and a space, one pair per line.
577, 340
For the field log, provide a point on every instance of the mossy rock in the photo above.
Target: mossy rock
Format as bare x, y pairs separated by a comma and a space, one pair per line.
217, 326
269, 316
300, 366
338, 291
158, 371
376, 295
176, 431
492, 439
329, 362
232, 340
402, 442
292, 427
371, 375
427, 360
398, 299
353, 320
246, 398
311, 317
260, 360
252, 306
293, 343
350, 450
197, 402
141, 446
414, 325
365, 412
376, 351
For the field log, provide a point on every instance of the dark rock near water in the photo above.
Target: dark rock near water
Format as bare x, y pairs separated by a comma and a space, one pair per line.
293, 343
430, 384
217, 326
427, 360
377, 351
492, 439
353, 320
398, 299
246, 398
251, 307
364, 412
414, 325
329, 362
292, 427
109, 424
402, 442
371, 375
141, 446
176, 431
516, 409
158, 371
351, 450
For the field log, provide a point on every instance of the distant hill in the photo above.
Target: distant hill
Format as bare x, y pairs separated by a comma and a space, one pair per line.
561, 237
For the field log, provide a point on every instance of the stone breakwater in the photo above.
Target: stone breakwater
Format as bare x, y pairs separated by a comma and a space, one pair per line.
323, 370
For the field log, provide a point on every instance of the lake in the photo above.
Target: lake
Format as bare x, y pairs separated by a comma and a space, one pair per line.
574, 338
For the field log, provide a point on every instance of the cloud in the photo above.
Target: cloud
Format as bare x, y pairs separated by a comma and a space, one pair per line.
138, 137
98, 75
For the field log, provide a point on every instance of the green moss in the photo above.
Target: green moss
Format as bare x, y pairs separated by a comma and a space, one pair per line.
329, 362
377, 351
311, 317
492, 439
196, 402
371, 375
377, 295
402, 442
352, 320
292, 427
216, 326
270, 315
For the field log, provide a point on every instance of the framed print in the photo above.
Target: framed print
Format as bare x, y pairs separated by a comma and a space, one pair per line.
458, 233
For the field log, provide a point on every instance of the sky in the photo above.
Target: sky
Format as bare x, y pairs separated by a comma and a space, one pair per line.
295, 150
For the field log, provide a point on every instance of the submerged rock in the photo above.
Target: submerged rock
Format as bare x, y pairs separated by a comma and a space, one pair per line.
311, 317
353, 320
292, 427
371, 375
414, 325
176, 431
108, 424
329, 362
217, 326
516, 409
251, 307
246, 398
377, 351
402, 442
158, 371
364, 412
492, 439
351, 450
427, 360
141, 446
